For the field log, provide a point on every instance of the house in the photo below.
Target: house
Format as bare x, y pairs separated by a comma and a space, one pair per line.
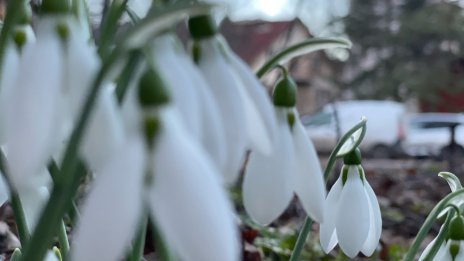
257, 41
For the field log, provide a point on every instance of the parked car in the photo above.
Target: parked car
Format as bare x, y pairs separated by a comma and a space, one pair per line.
430, 134
384, 126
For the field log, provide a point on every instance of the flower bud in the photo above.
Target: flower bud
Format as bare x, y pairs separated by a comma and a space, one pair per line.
152, 91
201, 27
352, 158
55, 7
285, 92
456, 228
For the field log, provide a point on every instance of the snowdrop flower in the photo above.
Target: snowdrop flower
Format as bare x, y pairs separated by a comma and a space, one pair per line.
352, 212
32, 106
452, 248
186, 200
41, 108
191, 95
293, 167
244, 106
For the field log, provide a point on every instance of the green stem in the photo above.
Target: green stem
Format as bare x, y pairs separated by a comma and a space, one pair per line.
440, 238
135, 58
20, 218
109, 26
298, 49
139, 243
306, 229
427, 225
300, 242
18, 211
49, 222
63, 240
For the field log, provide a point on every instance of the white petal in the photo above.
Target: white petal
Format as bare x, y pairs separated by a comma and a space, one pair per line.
4, 190
375, 228
179, 83
352, 220
327, 232
104, 133
441, 250
223, 86
267, 185
309, 180
111, 212
9, 73
131, 112
33, 200
82, 64
262, 124
213, 138
187, 200
140, 7
51, 256
32, 109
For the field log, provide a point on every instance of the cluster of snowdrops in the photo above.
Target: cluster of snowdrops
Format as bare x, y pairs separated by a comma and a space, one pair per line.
161, 131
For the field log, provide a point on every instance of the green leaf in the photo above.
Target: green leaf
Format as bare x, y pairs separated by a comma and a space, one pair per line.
308, 46
452, 180
352, 138
454, 184
158, 21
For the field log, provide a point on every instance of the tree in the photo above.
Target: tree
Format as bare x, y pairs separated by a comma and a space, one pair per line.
405, 50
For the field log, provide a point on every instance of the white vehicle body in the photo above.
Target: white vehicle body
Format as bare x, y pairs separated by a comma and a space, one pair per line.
427, 133
384, 125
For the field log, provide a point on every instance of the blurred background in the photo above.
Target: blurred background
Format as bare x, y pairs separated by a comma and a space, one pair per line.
405, 73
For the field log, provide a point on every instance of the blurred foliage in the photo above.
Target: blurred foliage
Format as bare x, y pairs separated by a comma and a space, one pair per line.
405, 49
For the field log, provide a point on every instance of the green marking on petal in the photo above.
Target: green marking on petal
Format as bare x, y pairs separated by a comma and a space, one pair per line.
151, 128
291, 119
20, 39
63, 31
344, 174
454, 249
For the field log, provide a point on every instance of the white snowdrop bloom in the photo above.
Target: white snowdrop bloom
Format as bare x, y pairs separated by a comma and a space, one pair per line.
450, 250
32, 106
441, 251
191, 95
179, 82
186, 201
41, 108
292, 168
104, 132
241, 99
198, 215
271, 181
11, 70
352, 214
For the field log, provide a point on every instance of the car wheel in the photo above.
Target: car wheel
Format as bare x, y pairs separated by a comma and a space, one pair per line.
380, 152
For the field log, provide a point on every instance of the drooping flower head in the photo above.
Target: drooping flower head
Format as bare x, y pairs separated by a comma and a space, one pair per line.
293, 167
352, 212
244, 106
452, 247
159, 167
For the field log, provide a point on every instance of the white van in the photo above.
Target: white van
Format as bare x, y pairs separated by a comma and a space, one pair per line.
384, 126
